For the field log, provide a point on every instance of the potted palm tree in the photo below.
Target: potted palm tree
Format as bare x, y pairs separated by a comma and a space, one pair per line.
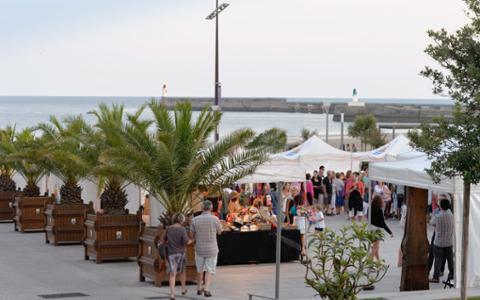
24, 156
111, 233
173, 160
66, 157
7, 185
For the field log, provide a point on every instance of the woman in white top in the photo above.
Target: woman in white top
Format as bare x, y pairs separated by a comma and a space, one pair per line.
387, 200
384, 192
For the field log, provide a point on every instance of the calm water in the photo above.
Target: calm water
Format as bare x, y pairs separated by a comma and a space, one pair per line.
28, 111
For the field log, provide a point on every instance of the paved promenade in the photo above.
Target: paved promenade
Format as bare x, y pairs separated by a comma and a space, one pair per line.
29, 268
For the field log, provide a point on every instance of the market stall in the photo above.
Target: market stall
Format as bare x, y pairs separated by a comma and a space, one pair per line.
412, 173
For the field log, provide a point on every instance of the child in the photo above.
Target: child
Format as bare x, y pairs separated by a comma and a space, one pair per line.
317, 218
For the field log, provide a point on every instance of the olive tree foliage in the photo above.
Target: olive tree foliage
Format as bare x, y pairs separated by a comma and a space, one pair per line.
454, 144
341, 265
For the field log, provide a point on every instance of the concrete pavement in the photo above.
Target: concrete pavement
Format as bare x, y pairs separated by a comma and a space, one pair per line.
29, 268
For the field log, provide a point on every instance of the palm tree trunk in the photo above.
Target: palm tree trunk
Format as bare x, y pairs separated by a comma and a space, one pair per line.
465, 236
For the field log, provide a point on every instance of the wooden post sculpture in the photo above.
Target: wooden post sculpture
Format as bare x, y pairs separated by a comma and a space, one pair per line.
415, 242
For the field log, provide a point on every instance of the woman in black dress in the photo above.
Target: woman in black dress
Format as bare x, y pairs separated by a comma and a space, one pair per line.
378, 220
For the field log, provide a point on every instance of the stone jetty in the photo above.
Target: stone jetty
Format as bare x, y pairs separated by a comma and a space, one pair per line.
391, 112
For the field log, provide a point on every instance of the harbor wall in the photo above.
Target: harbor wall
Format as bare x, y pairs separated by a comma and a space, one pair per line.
384, 112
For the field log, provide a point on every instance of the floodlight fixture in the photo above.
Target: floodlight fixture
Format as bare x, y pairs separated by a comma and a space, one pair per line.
217, 11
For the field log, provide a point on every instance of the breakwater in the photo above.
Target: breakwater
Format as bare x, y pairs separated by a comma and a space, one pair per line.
387, 110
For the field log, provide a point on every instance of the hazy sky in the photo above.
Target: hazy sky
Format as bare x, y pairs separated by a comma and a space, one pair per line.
292, 48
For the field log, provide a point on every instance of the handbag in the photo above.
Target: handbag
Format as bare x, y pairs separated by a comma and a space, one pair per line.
163, 246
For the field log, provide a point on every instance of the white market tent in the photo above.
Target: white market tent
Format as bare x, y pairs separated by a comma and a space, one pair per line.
411, 172
388, 152
292, 165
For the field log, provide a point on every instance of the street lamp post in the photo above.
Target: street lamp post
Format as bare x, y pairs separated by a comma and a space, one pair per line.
342, 119
326, 105
218, 85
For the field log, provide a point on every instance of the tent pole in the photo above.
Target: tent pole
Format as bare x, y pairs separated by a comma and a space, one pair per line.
351, 161
369, 203
279, 239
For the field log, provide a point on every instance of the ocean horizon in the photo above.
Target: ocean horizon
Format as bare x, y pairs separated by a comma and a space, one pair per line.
28, 111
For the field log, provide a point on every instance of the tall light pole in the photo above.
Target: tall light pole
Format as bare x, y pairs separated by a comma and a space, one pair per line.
342, 119
218, 85
326, 105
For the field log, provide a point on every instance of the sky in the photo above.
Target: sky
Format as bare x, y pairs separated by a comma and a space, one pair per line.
268, 48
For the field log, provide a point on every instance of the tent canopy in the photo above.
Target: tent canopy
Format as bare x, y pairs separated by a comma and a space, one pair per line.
412, 172
409, 172
292, 165
388, 152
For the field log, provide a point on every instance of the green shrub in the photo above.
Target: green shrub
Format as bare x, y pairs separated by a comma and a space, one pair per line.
340, 266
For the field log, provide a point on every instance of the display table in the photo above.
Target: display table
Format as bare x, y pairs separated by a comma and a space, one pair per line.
257, 247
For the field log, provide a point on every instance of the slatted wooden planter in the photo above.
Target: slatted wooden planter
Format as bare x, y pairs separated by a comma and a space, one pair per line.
151, 266
7, 211
64, 223
111, 237
29, 213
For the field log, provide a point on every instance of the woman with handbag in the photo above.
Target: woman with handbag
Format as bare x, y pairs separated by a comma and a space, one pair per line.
174, 243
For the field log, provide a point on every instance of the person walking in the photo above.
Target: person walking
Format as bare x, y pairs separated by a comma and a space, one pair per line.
309, 189
176, 239
378, 220
328, 187
322, 192
443, 244
205, 229
316, 187
355, 193
400, 192
338, 187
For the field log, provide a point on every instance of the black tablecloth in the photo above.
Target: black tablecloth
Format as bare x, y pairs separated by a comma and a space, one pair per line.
257, 247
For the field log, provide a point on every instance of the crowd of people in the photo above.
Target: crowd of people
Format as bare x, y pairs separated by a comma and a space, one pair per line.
324, 193
306, 205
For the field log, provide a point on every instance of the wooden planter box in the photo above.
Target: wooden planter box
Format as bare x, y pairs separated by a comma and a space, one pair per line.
7, 210
29, 213
64, 223
111, 237
150, 263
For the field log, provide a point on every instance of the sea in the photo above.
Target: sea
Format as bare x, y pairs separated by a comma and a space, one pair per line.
28, 111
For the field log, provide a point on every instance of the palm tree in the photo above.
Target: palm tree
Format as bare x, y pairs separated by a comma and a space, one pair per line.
107, 135
177, 157
306, 134
7, 184
25, 155
66, 156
